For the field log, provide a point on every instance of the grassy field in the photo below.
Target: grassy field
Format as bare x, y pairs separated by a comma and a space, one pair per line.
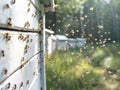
89, 68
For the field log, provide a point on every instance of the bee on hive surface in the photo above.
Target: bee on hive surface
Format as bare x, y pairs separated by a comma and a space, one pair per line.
15, 86
27, 24
21, 84
22, 59
8, 36
20, 36
13, 1
27, 82
8, 85
2, 53
5, 71
7, 6
28, 10
10, 22
26, 46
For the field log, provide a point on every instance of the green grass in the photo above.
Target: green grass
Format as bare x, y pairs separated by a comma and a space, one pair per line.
87, 68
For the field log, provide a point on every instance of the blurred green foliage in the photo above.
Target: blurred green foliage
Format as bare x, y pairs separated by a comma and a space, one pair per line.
85, 68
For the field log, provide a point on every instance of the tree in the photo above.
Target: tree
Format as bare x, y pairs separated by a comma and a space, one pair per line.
97, 20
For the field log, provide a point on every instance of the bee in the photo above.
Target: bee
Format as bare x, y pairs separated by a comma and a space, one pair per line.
21, 66
15, 86
22, 59
27, 24
27, 82
7, 36
27, 36
2, 53
33, 73
21, 84
7, 6
26, 46
8, 85
5, 71
10, 22
33, 15
13, 1
26, 51
27, 40
28, 10
20, 36
24, 38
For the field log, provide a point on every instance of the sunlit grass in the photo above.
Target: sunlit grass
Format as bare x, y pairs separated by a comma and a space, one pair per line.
84, 68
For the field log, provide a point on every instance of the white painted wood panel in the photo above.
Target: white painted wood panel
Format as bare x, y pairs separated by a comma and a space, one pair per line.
22, 14
16, 48
25, 78
35, 85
